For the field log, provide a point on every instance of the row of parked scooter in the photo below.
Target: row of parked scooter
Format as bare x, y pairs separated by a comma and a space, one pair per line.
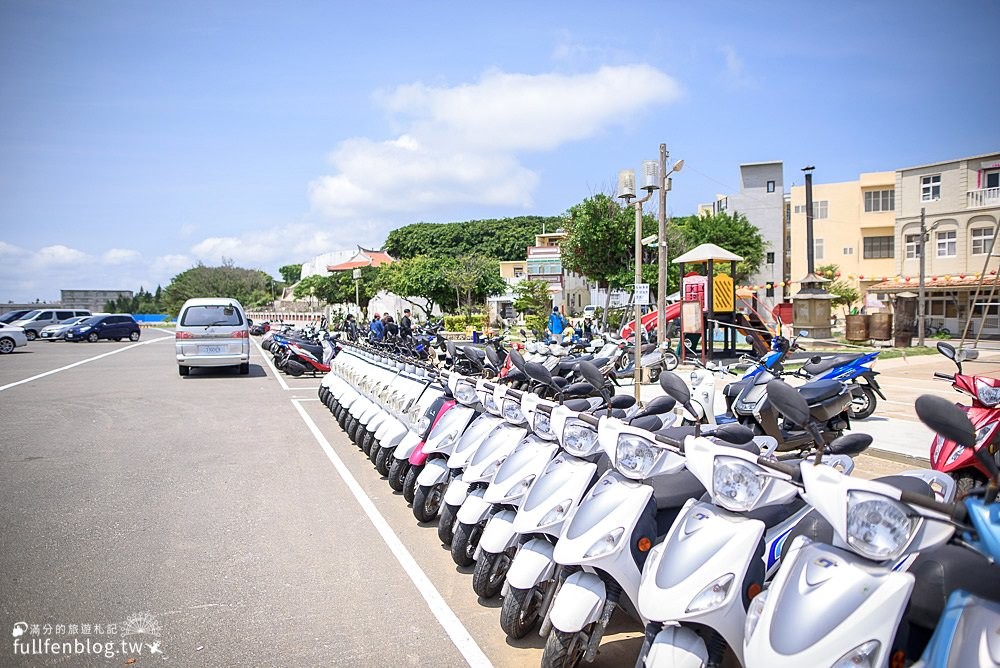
572, 504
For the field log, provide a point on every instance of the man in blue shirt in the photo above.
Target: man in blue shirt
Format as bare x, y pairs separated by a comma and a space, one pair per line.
557, 323
376, 330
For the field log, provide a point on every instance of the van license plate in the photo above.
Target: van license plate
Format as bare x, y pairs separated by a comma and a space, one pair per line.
211, 350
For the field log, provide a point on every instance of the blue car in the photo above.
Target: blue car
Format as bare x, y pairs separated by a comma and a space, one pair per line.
114, 327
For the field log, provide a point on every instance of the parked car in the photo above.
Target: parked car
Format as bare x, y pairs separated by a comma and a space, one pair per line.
34, 321
11, 316
114, 327
11, 337
58, 331
212, 332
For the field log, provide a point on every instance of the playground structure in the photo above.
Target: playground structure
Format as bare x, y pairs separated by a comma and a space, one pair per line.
736, 315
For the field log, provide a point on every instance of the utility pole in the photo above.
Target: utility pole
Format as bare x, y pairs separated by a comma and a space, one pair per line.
921, 292
661, 255
810, 243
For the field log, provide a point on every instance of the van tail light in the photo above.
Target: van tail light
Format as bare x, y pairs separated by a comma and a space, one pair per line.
242, 334
183, 335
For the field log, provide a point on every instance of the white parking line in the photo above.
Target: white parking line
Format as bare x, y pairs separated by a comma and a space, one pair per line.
270, 364
89, 359
449, 621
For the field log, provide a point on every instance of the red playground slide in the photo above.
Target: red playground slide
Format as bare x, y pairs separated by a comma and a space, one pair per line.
649, 320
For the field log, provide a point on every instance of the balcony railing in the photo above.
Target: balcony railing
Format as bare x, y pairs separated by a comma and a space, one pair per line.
983, 198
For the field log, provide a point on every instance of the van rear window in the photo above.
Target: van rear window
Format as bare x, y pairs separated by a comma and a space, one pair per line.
209, 316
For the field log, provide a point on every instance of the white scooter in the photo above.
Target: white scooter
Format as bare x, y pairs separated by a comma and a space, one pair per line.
840, 603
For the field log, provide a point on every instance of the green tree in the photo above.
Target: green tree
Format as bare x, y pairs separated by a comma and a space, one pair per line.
338, 287
532, 297
420, 277
475, 278
290, 273
226, 280
731, 232
504, 238
843, 291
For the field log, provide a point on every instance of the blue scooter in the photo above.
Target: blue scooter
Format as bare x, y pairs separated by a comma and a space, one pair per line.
853, 369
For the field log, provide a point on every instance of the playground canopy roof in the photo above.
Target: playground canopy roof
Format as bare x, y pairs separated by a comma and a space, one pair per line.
706, 252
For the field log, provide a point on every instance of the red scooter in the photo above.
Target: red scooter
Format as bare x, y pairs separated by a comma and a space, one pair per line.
948, 456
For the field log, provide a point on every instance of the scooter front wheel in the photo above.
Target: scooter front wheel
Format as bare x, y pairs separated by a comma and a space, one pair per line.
427, 501
863, 404
383, 460
397, 474
464, 543
446, 523
410, 482
491, 571
521, 610
564, 650
373, 451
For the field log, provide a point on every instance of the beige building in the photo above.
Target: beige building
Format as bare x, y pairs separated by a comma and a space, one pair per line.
853, 227
961, 204
543, 262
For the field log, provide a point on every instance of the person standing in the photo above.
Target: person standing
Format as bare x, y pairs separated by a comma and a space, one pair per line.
376, 330
391, 328
557, 323
406, 325
351, 327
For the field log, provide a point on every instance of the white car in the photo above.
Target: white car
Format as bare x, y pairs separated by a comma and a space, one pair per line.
212, 332
11, 337
58, 331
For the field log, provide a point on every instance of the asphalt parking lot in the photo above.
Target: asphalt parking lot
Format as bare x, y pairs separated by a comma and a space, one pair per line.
233, 512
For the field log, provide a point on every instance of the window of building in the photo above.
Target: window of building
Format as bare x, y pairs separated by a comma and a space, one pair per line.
879, 247
770, 186
821, 209
848, 250
770, 290
982, 239
930, 188
722, 204
991, 179
912, 246
947, 243
770, 258
817, 249
880, 200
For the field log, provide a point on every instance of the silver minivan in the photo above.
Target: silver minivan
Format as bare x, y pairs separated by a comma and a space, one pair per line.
212, 332
35, 321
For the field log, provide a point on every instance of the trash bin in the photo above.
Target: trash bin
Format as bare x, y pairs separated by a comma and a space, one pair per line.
475, 336
856, 328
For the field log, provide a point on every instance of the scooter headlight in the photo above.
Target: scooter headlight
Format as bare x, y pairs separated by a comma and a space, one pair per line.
606, 544
635, 457
713, 595
955, 454
864, 655
557, 514
737, 485
543, 425
754, 613
490, 404
877, 527
512, 411
989, 396
465, 392
578, 438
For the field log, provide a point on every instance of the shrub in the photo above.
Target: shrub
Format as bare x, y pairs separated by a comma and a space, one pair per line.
535, 323
459, 323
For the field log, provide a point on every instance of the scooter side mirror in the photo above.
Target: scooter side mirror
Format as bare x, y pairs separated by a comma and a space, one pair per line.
946, 349
946, 419
622, 401
493, 357
672, 384
538, 373
517, 360
452, 349
787, 401
736, 434
591, 374
659, 405
748, 339
849, 444
524, 334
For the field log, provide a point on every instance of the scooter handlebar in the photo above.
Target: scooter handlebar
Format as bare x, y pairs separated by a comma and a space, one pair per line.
592, 420
944, 376
955, 511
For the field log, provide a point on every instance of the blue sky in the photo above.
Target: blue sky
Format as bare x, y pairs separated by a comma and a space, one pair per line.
139, 138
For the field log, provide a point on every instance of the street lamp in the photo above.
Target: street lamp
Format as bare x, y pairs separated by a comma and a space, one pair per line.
626, 191
661, 256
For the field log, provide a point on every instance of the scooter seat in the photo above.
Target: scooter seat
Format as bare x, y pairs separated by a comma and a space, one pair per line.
570, 364
647, 422
814, 368
314, 348
820, 390
577, 405
941, 571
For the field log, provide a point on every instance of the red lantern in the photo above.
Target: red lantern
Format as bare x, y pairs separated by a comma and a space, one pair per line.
837, 274
961, 275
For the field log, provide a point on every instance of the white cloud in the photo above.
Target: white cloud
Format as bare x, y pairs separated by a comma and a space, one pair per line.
166, 267
735, 73
461, 144
120, 256
10, 250
284, 244
60, 255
